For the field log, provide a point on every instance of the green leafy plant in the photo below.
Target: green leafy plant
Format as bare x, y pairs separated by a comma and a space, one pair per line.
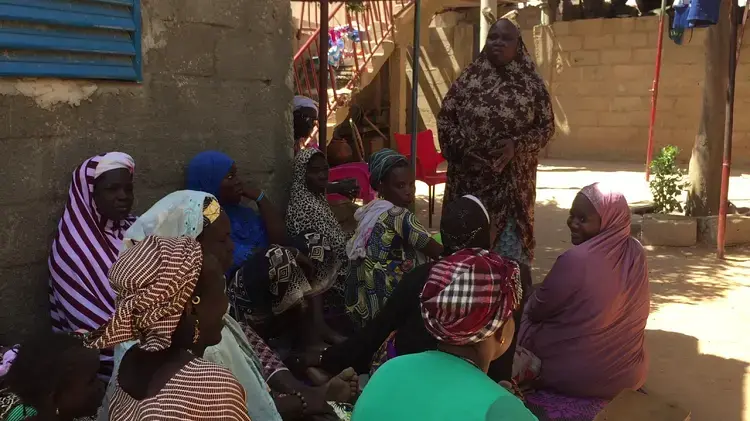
668, 181
355, 6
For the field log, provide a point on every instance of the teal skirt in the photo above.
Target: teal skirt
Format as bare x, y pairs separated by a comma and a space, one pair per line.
510, 245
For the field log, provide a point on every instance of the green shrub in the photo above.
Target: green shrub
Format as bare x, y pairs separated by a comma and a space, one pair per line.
668, 181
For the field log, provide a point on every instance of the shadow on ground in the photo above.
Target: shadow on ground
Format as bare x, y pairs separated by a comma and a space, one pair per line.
710, 387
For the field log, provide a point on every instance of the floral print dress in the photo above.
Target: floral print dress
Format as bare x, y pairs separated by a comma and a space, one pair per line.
484, 106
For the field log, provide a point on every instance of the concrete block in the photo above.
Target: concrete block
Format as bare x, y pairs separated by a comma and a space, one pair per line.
669, 230
623, 118
737, 230
621, 25
616, 56
632, 71
569, 42
629, 103
598, 42
584, 58
647, 23
634, 39
587, 27
596, 73
562, 28
644, 55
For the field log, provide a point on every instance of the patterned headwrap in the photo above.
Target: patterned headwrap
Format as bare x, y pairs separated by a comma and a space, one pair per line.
184, 213
271, 283
381, 162
154, 281
469, 295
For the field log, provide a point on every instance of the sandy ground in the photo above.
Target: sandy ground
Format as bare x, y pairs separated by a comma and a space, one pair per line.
696, 333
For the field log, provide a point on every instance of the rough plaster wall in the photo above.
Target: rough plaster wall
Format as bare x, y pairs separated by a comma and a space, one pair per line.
216, 76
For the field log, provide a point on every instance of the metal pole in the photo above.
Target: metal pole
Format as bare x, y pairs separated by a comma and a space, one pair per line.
655, 90
323, 78
728, 126
485, 7
415, 86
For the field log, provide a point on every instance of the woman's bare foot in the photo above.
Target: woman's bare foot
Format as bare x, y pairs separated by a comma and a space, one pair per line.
317, 376
344, 387
329, 335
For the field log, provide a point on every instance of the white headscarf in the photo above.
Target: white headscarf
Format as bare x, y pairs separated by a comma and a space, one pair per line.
303, 102
114, 161
178, 214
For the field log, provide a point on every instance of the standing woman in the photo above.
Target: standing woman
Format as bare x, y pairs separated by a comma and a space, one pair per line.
87, 243
495, 119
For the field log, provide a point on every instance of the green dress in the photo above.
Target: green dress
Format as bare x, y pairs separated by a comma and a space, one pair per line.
435, 386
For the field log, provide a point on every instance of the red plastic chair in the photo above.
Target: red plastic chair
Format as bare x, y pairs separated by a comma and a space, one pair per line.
358, 171
428, 159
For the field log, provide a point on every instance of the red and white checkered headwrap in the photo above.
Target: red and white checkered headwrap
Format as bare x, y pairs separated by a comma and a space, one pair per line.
469, 295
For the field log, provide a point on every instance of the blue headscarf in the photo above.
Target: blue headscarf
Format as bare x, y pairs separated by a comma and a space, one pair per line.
381, 162
205, 173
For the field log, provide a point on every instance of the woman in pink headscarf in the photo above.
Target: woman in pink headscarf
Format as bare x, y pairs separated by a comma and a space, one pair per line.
586, 321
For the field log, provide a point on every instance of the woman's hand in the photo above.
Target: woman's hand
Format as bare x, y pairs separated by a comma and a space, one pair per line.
251, 193
502, 156
306, 264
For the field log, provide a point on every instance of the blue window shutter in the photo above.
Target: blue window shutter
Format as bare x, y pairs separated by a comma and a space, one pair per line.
77, 39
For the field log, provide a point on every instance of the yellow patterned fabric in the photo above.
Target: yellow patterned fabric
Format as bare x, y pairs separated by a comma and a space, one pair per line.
392, 250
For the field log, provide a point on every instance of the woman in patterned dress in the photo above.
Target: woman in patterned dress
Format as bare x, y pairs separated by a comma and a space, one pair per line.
256, 366
495, 119
309, 212
170, 296
389, 241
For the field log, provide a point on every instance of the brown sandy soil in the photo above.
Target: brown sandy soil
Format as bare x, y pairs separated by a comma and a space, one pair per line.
696, 334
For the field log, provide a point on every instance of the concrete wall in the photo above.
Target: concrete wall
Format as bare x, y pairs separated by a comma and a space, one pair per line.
446, 50
216, 76
600, 78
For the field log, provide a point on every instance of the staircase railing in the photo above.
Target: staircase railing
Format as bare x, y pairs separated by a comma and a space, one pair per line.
363, 30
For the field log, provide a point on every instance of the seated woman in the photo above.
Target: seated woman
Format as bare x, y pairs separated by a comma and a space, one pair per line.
398, 328
304, 115
170, 298
586, 321
309, 212
216, 173
87, 242
53, 377
198, 215
389, 240
467, 305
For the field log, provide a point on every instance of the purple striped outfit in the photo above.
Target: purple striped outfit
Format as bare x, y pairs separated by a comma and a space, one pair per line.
85, 247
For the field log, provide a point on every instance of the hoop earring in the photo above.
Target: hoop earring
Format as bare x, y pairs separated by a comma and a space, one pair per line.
196, 332
196, 300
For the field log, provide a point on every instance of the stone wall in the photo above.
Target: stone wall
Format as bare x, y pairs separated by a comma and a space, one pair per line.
216, 76
600, 79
